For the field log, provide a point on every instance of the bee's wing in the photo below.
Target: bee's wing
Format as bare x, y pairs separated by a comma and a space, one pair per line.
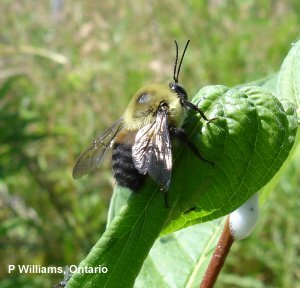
93, 156
151, 152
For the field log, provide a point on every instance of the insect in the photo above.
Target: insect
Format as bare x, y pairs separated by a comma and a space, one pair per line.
141, 139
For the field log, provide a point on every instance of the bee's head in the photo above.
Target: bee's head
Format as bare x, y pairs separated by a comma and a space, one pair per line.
145, 103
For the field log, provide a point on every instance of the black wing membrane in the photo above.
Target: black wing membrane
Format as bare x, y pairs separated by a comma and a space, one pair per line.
151, 152
94, 155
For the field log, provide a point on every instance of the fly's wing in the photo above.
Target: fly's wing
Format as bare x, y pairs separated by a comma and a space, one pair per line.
93, 156
151, 152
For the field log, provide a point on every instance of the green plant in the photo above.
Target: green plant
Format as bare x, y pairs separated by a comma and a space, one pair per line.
249, 142
65, 72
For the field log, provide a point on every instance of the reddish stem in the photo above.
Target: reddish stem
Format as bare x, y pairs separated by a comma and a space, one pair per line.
217, 261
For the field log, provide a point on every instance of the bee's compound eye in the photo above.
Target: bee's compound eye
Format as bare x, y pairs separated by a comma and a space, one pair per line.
143, 98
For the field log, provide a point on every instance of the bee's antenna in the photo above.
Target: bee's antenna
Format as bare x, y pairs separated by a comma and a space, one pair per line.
182, 56
175, 65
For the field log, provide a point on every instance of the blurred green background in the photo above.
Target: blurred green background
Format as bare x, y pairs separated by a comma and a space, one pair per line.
67, 71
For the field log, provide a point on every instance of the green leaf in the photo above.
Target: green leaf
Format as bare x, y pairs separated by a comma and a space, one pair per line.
288, 89
251, 148
179, 259
128, 239
287, 83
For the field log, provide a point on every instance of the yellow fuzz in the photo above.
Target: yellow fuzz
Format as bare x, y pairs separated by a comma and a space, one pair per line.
142, 108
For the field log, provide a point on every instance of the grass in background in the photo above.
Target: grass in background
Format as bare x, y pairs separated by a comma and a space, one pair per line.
53, 105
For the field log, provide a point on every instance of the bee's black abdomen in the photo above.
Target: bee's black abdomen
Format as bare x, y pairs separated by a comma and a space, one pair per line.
123, 168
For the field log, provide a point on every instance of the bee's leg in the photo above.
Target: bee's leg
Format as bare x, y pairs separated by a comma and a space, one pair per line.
179, 133
196, 108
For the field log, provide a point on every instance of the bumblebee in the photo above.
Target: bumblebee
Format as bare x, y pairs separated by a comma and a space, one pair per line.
141, 139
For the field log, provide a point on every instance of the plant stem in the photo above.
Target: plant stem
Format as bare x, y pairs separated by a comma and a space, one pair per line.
217, 261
